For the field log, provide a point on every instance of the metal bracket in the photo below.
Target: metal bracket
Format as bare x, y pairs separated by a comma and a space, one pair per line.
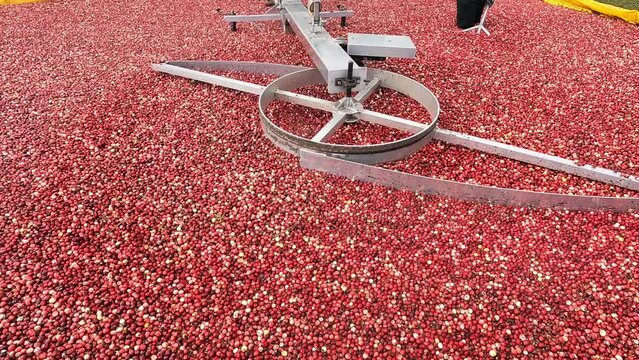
349, 82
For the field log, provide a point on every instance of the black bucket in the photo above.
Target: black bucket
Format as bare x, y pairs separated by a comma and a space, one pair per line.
469, 12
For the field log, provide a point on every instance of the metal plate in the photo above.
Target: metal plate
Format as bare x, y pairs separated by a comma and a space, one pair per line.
463, 191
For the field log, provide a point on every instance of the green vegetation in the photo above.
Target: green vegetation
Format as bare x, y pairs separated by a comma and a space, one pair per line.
626, 4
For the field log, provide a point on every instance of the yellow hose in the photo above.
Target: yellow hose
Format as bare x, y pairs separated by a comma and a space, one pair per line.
16, 2
631, 16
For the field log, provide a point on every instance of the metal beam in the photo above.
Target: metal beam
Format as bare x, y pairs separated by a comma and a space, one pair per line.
536, 158
241, 66
394, 122
331, 60
368, 90
276, 16
209, 78
330, 128
305, 100
288, 96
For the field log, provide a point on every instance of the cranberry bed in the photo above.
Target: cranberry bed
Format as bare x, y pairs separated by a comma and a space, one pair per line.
146, 216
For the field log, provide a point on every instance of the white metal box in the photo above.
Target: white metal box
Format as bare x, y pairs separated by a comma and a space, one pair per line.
389, 46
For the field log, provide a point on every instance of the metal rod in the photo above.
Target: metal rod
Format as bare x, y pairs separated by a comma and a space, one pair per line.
272, 10
349, 76
537, 158
242, 66
368, 90
317, 8
394, 122
210, 78
291, 97
304, 100
277, 16
330, 128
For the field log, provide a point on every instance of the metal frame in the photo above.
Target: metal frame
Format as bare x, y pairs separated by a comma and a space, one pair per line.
379, 78
326, 53
352, 160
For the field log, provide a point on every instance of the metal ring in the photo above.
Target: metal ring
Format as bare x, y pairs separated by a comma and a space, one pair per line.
370, 154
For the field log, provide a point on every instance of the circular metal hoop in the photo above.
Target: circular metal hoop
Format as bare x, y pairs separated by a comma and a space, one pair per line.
369, 154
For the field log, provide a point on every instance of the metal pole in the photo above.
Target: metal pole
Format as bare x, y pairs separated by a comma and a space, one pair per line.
349, 76
317, 8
